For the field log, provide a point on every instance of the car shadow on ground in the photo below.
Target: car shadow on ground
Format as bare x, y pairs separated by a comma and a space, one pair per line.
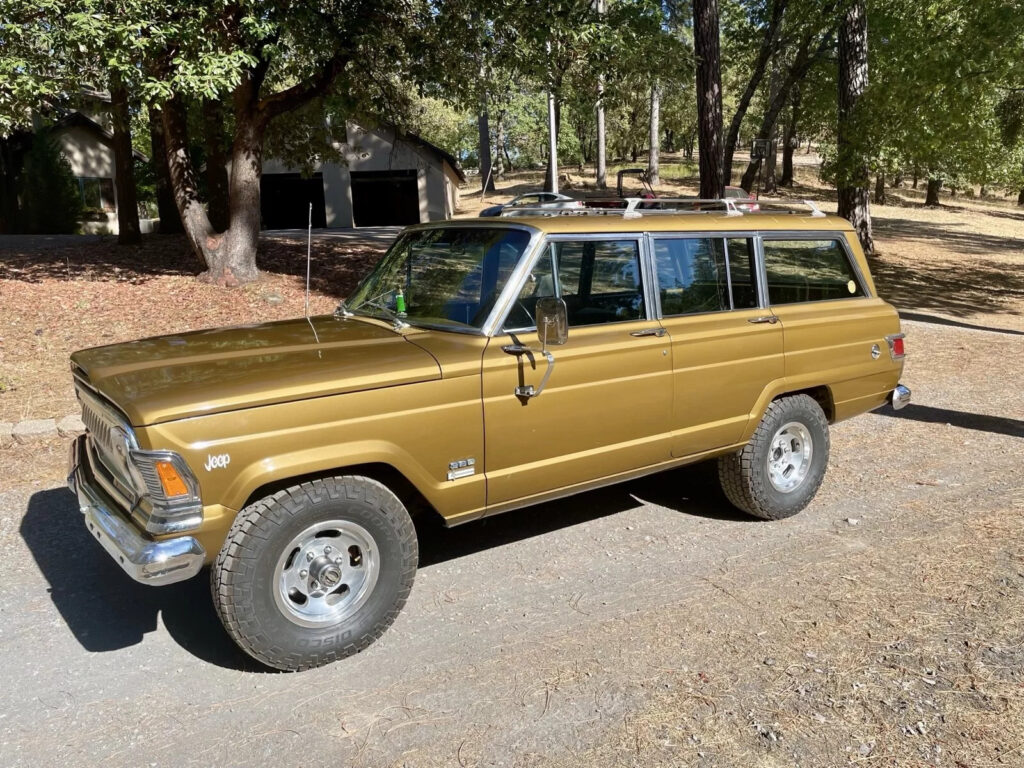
104, 608
999, 425
107, 611
935, 320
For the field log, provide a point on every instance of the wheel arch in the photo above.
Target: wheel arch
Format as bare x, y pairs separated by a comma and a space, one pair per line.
822, 394
386, 474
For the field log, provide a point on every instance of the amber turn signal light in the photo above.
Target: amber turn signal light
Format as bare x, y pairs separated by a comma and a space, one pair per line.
171, 481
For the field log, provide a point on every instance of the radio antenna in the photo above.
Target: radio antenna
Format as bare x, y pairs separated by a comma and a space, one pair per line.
309, 250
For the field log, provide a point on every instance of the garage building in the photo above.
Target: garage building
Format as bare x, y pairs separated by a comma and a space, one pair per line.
388, 178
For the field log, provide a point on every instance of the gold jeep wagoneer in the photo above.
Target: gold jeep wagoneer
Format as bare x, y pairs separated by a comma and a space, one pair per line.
483, 365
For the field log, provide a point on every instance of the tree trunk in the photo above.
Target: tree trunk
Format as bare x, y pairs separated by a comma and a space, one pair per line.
193, 215
880, 188
128, 230
709, 98
499, 142
601, 173
771, 184
917, 176
768, 45
217, 203
236, 262
789, 140
170, 220
12, 160
1020, 198
852, 170
653, 153
802, 62
484, 151
230, 256
551, 177
932, 196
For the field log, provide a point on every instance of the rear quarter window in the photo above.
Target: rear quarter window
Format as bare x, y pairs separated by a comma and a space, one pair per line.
809, 270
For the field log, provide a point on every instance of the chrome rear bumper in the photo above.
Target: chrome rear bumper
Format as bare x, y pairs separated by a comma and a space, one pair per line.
899, 397
146, 561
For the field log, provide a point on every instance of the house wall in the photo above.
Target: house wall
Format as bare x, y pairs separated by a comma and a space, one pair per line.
91, 156
87, 154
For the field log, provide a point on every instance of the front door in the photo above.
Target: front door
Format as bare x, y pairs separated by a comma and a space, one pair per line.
606, 408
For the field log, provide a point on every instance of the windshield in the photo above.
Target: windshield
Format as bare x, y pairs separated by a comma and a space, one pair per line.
446, 277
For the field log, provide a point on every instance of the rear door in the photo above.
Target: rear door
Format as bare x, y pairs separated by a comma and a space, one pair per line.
726, 347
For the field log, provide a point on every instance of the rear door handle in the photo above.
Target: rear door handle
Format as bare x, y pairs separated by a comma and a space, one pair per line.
659, 332
764, 319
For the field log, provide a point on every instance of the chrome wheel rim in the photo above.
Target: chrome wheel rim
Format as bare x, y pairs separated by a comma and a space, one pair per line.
789, 457
326, 573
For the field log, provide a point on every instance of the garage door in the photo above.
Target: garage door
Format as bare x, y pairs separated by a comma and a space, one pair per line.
285, 199
381, 198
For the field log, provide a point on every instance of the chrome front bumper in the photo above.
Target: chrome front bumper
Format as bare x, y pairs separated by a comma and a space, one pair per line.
146, 561
899, 397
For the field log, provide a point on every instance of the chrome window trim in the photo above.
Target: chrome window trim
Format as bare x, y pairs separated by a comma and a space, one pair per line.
823, 234
762, 273
525, 266
653, 285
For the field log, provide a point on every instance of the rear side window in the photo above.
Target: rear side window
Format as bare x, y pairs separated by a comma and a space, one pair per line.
695, 274
692, 275
808, 270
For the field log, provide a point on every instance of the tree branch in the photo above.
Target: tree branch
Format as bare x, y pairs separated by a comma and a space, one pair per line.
292, 98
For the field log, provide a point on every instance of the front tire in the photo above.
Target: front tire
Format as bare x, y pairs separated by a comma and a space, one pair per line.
779, 471
316, 572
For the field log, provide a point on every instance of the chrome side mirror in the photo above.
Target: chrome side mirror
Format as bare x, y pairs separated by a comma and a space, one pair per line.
552, 322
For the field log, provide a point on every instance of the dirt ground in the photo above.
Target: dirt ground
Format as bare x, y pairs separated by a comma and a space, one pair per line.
641, 625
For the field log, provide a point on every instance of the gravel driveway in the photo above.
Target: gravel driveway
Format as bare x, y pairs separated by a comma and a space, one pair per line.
644, 624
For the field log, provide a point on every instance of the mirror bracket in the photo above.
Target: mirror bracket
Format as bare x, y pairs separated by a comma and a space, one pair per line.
552, 328
528, 390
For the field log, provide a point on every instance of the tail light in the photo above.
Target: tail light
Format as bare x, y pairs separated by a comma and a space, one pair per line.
896, 350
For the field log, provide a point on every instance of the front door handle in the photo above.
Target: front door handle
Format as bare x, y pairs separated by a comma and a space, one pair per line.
764, 319
659, 332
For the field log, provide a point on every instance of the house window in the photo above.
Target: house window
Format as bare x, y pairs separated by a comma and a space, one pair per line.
97, 193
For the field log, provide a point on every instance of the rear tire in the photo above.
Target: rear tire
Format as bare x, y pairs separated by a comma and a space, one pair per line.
779, 471
316, 572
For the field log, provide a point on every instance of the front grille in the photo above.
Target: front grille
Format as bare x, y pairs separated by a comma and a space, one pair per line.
99, 429
111, 438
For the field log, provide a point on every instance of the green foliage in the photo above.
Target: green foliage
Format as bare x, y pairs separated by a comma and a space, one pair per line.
51, 202
452, 129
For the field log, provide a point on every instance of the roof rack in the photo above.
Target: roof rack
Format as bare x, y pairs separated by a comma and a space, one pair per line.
635, 207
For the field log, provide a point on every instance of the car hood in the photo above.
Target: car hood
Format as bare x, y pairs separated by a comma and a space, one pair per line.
224, 369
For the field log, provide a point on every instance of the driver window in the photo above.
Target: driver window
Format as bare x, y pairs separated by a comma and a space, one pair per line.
599, 280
